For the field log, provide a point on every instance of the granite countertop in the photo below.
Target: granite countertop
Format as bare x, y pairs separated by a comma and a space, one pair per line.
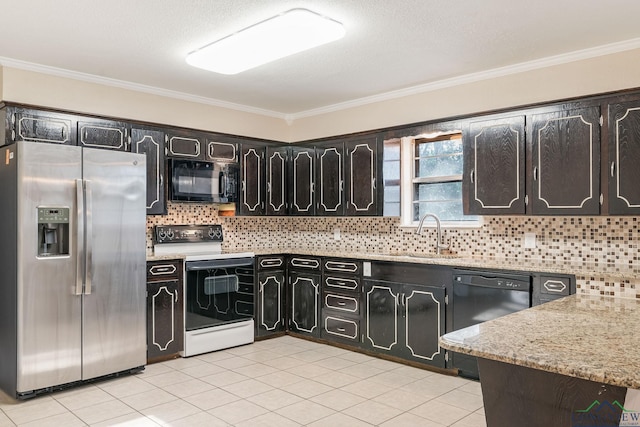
616, 271
589, 337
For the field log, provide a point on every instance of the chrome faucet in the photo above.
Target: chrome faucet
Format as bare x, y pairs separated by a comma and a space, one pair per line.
439, 244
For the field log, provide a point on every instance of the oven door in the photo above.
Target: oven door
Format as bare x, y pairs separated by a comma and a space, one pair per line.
218, 292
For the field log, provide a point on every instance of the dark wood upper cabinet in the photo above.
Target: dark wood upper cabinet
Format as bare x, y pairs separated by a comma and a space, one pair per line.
95, 133
151, 143
185, 145
330, 180
624, 158
302, 181
494, 166
223, 151
40, 126
276, 177
361, 166
252, 186
565, 153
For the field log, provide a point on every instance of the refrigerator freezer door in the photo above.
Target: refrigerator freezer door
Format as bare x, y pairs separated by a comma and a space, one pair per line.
114, 307
48, 314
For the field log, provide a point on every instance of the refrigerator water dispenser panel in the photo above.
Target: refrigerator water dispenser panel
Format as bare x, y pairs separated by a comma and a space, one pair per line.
53, 231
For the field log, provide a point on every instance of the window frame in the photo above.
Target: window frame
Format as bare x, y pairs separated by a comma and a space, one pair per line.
408, 179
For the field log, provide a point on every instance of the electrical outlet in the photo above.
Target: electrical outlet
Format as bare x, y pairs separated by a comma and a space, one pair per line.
336, 233
529, 240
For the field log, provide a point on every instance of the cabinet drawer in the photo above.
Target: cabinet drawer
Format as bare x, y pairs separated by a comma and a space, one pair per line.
269, 262
344, 303
555, 285
342, 266
338, 327
164, 270
343, 283
306, 263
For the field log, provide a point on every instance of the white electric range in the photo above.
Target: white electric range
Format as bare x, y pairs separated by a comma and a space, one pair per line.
218, 287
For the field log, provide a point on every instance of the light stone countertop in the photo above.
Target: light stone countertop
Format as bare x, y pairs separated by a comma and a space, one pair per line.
614, 271
589, 337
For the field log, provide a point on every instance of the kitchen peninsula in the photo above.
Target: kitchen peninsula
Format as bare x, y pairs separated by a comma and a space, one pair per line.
571, 362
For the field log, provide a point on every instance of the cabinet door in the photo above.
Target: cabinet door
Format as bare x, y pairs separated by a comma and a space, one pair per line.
361, 175
330, 180
423, 313
276, 168
566, 162
185, 145
41, 126
494, 167
271, 302
301, 181
107, 134
151, 143
224, 151
304, 291
624, 158
381, 316
164, 319
252, 180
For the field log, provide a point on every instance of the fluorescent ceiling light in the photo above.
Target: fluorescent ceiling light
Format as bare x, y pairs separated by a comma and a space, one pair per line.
283, 35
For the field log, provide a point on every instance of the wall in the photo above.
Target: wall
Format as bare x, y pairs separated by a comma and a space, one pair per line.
484, 92
585, 77
29, 87
594, 243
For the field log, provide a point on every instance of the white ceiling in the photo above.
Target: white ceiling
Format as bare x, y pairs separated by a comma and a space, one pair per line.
391, 47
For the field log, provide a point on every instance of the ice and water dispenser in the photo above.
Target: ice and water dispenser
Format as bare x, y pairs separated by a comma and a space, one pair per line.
53, 231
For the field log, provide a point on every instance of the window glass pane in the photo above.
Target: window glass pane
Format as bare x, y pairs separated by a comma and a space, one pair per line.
438, 148
449, 210
438, 191
392, 150
391, 170
431, 167
392, 193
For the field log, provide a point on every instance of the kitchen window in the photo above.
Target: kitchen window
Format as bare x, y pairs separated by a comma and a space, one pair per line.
423, 174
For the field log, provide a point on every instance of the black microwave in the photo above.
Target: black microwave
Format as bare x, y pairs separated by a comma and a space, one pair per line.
205, 182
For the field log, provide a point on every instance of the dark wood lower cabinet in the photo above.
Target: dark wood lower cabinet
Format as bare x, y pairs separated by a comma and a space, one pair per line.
270, 313
165, 327
405, 320
304, 293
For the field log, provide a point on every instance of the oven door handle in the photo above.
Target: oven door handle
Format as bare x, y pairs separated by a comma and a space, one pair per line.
218, 263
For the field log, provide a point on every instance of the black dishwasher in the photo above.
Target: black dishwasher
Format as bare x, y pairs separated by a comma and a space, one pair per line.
479, 296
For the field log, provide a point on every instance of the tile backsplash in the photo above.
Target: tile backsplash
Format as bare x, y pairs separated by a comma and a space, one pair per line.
594, 240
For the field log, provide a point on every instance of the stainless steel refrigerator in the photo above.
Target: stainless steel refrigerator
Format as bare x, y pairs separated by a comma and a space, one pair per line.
72, 265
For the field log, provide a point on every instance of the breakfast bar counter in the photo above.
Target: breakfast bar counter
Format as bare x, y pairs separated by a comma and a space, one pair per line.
570, 362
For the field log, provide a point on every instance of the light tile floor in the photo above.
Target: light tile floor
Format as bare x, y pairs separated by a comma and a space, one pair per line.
279, 382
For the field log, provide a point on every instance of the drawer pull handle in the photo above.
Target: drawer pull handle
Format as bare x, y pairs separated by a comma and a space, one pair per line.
158, 270
341, 329
342, 303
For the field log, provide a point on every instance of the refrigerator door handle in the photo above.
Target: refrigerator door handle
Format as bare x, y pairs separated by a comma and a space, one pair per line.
80, 237
89, 238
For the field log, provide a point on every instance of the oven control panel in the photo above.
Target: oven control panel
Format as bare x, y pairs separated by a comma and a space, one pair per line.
187, 233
